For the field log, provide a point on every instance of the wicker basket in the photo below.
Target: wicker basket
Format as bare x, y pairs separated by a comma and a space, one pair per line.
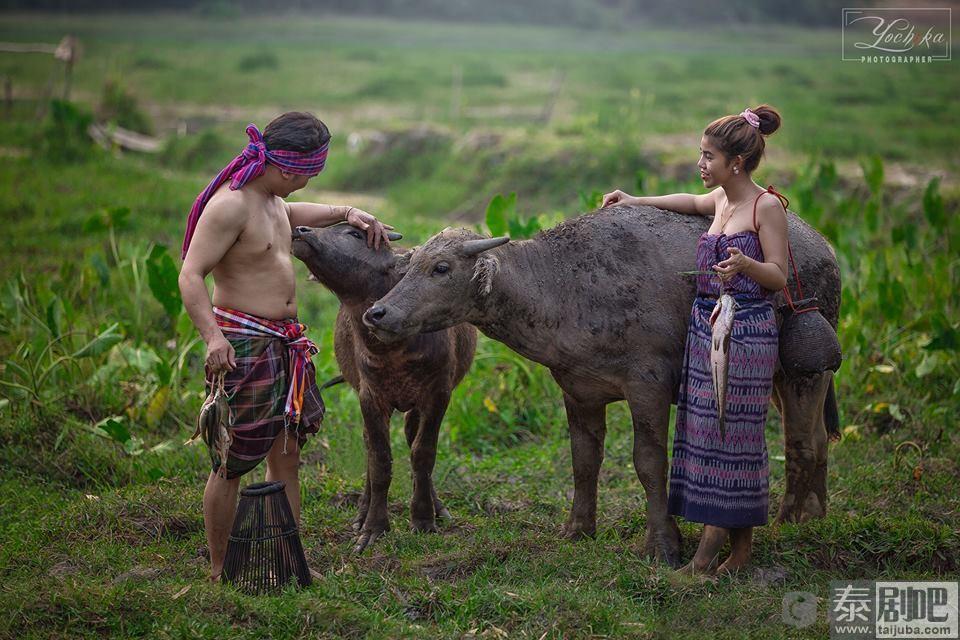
808, 344
264, 552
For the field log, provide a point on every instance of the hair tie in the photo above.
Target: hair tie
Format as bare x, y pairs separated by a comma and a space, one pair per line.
752, 119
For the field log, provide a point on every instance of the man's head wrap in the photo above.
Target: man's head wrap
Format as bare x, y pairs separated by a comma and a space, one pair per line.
250, 164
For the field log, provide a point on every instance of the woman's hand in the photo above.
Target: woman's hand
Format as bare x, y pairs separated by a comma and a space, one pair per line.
736, 263
616, 197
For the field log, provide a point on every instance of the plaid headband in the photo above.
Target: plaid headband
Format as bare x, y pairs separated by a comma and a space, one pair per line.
250, 164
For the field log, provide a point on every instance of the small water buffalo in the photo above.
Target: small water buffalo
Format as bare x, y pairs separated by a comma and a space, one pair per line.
600, 301
415, 375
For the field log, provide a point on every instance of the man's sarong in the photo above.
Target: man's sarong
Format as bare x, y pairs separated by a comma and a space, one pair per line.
272, 390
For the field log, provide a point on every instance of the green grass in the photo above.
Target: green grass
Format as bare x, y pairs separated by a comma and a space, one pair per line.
78, 509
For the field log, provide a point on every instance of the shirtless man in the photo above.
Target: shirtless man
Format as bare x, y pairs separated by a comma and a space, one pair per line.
251, 331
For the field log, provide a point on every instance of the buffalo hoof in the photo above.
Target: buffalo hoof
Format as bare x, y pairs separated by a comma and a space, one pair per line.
662, 554
664, 547
441, 511
790, 511
423, 526
369, 535
357, 524
578, 530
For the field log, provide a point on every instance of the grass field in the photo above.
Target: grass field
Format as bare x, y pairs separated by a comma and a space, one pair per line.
100, 521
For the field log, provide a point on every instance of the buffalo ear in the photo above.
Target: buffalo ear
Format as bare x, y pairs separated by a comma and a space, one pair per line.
473, 247
393, 235
403, 261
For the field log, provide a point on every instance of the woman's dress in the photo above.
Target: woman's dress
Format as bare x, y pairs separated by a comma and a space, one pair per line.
713, 481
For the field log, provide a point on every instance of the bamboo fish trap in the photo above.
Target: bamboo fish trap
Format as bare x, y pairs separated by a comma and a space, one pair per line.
264, 552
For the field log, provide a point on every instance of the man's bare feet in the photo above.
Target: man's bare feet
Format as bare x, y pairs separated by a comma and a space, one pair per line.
215, 577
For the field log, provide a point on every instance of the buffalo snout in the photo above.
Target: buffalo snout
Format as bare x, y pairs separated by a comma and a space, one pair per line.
382, 322
374, 314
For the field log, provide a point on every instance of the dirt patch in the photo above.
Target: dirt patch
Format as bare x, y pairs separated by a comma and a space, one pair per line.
498, 506
456, 567
345, 499
157, 526
61, 569
381, 563
138, 574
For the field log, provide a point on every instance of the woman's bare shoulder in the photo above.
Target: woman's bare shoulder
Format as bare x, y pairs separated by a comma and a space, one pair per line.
770, 211
709, 203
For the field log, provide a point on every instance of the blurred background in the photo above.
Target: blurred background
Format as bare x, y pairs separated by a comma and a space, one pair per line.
116, 114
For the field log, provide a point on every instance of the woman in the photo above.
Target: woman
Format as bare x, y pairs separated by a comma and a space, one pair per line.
723, 481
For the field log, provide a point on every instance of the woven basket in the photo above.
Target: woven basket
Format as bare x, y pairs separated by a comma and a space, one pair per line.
808, 344
264, 553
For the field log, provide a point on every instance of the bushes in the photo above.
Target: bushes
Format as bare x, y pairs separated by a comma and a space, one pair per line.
262, 60
120, 107
206, 152
898, 328
96, 364
63, 137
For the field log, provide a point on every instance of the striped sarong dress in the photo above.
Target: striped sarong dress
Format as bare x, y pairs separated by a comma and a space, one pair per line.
713, 481
272, 389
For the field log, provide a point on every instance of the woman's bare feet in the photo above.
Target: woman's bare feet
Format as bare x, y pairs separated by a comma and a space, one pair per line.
741, 544
708, 551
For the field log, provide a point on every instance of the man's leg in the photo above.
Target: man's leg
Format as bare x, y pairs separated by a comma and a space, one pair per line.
219, 509
285, 467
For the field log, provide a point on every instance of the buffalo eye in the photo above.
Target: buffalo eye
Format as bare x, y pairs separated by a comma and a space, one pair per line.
441, 267
355, 234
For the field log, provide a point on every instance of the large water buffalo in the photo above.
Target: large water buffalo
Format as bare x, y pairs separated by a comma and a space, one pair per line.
599, 300
415, 375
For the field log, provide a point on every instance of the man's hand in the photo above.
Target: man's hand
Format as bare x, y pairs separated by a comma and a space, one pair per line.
376, 230
221, 355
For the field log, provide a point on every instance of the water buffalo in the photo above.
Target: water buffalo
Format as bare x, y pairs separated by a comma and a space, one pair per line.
415, 375
599, 301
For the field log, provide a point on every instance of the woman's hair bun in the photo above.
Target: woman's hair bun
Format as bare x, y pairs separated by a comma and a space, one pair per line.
769, 119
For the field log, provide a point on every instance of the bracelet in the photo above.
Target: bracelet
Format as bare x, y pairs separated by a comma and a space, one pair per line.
347, 214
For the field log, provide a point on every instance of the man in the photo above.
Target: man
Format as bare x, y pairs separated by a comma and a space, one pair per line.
253, 338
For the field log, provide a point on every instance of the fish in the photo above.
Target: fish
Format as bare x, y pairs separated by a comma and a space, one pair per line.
224, 422
721, 323
202, 417
214, 422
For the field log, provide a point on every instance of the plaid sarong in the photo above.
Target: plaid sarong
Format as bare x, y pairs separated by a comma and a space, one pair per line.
273, 388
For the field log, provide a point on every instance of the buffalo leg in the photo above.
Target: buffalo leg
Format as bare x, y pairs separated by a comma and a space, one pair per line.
588, 428
376, 436
411, 426
651, 417
363, 504
801, 403
423, 457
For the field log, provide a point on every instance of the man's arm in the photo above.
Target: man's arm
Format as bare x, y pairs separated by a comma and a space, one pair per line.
310, 214
217, 230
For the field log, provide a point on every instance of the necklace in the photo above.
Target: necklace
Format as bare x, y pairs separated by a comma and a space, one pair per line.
723, 223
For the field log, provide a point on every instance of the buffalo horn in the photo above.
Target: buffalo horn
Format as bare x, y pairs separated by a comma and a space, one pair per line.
473, 247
